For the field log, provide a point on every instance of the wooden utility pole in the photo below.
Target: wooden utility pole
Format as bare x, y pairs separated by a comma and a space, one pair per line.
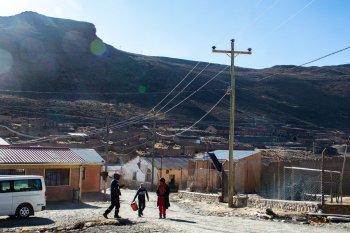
106, 150
154, 142
231, 190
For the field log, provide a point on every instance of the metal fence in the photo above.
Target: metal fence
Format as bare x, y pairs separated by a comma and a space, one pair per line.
306, 179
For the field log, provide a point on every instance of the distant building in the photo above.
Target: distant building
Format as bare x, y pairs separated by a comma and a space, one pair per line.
186, 140
223, 130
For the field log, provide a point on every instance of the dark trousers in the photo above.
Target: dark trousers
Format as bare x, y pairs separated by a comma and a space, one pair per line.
142, 205
114, 203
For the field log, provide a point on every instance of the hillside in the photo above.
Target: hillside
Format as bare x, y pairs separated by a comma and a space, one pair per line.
40, 53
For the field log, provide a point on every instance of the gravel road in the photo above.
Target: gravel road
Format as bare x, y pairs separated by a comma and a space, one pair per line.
179, 219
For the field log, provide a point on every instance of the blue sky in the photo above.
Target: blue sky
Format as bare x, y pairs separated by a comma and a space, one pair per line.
187, 29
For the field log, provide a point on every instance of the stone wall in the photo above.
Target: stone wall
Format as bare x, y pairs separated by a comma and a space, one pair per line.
208, 198
298, 206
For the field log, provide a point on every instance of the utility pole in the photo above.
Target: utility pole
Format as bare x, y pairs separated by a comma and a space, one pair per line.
231, 190
161, 161
106, 150
154, 142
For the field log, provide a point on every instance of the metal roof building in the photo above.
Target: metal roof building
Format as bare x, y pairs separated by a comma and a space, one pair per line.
89, 155
222, 155
169, 162
38, 155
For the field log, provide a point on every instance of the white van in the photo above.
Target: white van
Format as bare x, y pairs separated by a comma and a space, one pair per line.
21, 196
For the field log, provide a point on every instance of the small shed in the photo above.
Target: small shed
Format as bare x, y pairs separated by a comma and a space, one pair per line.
215, 163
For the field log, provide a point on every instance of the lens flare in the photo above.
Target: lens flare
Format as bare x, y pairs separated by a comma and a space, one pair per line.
9, 82
142, 89
74, 43
32, 49
5, 61
97, 47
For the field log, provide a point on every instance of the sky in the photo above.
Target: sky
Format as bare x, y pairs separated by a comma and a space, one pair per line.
188, 29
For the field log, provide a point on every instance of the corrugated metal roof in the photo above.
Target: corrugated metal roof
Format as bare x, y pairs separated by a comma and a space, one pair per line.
89, 155
33, 155
169, 162
3, 142
222, 155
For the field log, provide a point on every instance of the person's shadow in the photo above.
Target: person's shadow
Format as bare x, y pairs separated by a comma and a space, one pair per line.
11, 222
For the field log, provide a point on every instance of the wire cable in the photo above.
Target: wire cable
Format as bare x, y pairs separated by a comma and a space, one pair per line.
283, 23
196, 121
306, 63
257, 18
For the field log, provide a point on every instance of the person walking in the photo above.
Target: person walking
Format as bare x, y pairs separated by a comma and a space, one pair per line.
115, 193
141, 193
163, 202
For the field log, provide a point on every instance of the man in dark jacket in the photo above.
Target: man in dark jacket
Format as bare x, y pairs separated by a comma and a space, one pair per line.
163, 202
141, 192
115, 193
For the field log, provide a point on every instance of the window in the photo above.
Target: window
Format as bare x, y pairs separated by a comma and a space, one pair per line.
5, 186
148, 177
134, 175
57, 177
83, 173
12, 171
27, 185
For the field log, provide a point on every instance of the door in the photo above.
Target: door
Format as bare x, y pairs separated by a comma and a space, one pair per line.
5, 198
171, 181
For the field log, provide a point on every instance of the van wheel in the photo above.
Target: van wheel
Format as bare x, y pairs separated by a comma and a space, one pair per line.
23, 211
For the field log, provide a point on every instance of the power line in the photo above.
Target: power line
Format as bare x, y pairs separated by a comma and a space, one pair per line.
284, 22
257, 18
196, 121
306, 63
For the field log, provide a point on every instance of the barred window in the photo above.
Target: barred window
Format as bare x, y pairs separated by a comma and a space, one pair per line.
57, 177
12, 171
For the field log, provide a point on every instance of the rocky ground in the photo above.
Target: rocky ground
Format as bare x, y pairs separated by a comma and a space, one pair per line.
182, 216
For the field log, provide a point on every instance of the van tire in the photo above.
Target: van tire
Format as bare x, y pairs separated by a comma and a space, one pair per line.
23, 211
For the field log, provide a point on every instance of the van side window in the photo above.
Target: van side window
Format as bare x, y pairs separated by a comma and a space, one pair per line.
27, 185
5, 186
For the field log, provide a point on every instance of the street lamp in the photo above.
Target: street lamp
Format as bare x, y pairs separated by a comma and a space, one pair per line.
154, 141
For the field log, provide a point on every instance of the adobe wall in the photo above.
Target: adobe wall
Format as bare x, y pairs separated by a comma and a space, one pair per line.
92, 179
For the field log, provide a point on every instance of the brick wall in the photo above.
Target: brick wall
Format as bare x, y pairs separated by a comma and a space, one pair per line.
39, 172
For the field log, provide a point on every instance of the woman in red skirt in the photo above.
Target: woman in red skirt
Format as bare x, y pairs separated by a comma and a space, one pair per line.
163, 203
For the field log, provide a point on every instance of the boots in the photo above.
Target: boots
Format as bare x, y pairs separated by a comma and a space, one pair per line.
106, 213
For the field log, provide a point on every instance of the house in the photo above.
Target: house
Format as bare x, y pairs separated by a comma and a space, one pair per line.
210, 166
174, 169
62, 168
186, 140
223, 130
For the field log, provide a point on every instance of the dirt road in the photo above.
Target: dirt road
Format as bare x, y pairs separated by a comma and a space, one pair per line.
178, 219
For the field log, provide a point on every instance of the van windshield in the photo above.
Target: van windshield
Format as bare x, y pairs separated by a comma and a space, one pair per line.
27, 185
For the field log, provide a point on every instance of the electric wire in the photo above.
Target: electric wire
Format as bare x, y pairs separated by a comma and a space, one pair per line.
306, 63
257, 18
184, 87
284, 22
196, 121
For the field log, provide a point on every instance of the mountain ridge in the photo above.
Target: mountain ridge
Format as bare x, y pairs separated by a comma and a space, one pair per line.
43, 53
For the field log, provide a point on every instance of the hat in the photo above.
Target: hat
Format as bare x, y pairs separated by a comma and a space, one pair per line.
162, 179
116, 176
141, 185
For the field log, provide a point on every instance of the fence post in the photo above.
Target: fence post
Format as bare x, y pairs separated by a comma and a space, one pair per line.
222, 184
247, 180
284, 183
274, 185
292, 184
342, 172
180, 179
331, 187
279, 178
322, 177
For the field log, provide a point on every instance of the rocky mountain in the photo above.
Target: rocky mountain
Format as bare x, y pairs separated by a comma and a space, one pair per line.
45, 54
